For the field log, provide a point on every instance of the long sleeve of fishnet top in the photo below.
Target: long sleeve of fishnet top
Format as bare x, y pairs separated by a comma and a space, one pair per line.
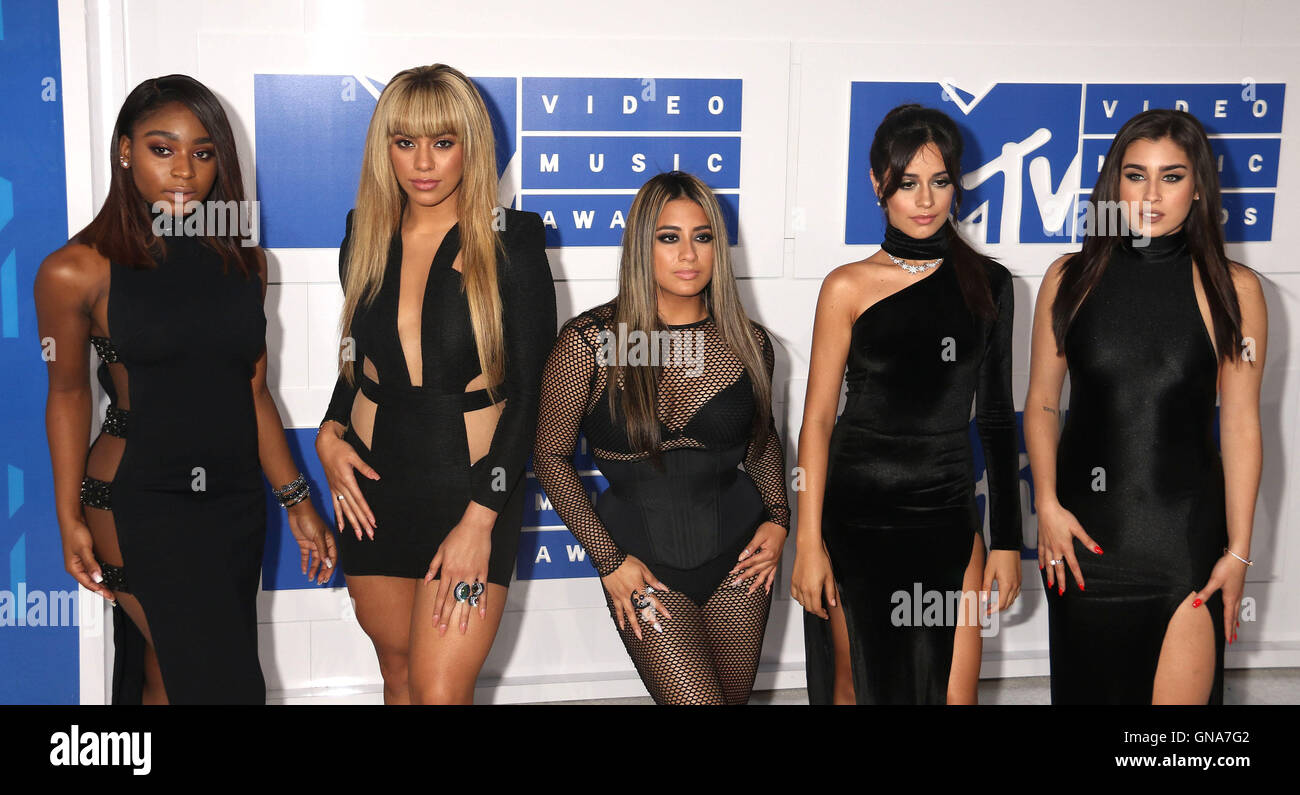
568, 383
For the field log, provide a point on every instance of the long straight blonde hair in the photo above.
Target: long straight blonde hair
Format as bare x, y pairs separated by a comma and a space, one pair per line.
430, 101
637, 307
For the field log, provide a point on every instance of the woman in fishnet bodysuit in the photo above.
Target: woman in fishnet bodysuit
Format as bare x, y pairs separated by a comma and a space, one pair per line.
685, 542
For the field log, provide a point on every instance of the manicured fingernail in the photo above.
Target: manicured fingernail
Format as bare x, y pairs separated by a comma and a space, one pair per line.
1061, 592
658, 627
745, 554
329, 564
97, 577
112, 602
1097, 549
1196, 603
1080, 586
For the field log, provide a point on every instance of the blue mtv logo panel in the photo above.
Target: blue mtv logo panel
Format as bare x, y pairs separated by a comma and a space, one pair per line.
38, 599
1247, 161
590, 143
310, 132
1020, 160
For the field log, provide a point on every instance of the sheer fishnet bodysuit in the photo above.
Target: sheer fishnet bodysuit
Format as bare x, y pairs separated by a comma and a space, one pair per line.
707, 653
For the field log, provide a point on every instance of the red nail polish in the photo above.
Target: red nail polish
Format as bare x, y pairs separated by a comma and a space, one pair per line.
1061, 592
1097, 549
1080, 586
1196, 603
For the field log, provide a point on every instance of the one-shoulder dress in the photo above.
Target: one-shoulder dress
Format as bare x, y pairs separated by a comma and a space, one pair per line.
899, 517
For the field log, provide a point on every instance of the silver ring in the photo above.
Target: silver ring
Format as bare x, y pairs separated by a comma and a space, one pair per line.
461, 591
1055, 562
639, 601
340, 498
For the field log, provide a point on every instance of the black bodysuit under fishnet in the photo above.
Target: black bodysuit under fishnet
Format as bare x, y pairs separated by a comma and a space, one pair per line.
688, 518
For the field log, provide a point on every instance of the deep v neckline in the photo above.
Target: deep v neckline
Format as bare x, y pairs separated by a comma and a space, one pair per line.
450, 239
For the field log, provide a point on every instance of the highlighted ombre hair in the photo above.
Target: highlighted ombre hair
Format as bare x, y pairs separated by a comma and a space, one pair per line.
428, 101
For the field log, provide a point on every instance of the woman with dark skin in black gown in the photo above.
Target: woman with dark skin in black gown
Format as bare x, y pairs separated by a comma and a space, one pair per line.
171, 519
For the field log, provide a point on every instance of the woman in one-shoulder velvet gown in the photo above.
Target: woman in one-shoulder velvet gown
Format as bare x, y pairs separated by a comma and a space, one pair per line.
888, 524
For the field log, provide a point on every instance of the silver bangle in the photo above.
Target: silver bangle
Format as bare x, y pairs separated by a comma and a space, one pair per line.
1227, 551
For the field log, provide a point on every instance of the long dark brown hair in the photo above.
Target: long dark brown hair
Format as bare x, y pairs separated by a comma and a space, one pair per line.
1082, 271
636, 309
901, 134
122, 230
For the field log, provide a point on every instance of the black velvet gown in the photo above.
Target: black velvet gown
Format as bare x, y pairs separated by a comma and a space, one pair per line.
899, 517
419, 445
1138, 465
182, 482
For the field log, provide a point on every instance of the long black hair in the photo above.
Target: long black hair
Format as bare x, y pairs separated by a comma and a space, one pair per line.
1082, 271
901, 134
122, 230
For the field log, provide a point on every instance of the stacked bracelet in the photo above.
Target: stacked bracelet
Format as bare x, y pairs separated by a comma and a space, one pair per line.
295, 492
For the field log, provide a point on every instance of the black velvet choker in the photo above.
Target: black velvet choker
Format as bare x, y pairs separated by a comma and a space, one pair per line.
904, 246
1166, 248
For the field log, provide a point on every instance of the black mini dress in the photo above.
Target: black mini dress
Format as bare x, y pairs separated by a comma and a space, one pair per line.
419, 445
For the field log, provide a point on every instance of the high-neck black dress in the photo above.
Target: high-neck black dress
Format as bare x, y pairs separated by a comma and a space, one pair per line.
1138, 465
899, 516
186, 496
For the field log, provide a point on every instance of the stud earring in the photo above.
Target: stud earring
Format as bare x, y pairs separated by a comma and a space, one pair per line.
124, 162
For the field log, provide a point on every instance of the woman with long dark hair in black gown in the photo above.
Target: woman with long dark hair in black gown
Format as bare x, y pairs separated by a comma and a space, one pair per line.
1143, 526
888, 515
166, 515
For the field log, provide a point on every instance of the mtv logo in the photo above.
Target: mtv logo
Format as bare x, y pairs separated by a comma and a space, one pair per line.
1021, 162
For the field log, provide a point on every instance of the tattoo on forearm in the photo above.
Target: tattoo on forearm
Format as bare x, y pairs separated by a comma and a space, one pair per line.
1050, 410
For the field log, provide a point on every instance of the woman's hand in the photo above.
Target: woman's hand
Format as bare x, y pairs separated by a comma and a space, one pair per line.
461, 557
1002, 567
759, 559
313, 536
1057, 528
1228, 576
813, 579
79, 560
340, 459
627, 586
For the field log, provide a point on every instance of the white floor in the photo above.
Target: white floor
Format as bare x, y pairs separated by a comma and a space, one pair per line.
1243, 686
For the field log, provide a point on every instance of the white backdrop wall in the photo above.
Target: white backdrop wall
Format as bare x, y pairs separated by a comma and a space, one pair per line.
796, 63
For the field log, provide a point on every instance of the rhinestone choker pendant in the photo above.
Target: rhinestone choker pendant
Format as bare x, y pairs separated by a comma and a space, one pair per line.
924, 266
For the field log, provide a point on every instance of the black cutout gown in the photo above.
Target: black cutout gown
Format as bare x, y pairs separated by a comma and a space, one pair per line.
188, 496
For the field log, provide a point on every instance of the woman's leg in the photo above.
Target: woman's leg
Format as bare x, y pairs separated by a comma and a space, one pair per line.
967, 645
676, 665
735, 620
384, 606
445, 667
1185, 672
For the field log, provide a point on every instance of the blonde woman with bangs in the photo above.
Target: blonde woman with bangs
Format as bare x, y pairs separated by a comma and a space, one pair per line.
672, 385
448, 314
